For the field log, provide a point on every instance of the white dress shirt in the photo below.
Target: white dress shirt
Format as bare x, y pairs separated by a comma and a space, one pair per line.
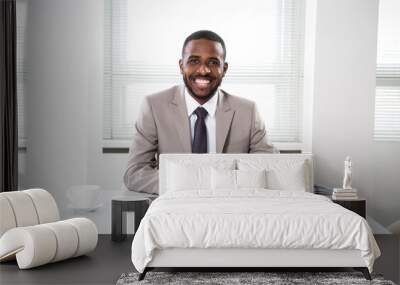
211, 107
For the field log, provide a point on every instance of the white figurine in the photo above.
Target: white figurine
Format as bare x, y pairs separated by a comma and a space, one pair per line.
347, 173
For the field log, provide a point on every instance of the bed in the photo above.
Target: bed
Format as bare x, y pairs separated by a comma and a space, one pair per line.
246, 211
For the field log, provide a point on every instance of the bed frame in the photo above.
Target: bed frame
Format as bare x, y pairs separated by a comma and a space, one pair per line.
250, 259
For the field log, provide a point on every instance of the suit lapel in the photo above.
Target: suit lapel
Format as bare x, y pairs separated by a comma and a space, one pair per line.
223, 118
181, 120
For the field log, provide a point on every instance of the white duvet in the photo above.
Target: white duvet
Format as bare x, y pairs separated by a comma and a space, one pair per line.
250, 218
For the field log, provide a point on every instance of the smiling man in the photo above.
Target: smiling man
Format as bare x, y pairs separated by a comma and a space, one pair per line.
198, 117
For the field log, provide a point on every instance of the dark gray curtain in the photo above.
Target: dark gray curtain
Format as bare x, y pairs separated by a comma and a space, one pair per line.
8, 98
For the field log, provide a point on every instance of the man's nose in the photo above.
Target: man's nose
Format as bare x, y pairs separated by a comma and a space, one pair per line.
203, 69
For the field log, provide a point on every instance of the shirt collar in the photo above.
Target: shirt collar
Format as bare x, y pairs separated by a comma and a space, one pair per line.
210, 105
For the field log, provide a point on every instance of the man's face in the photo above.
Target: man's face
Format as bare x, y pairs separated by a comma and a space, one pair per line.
203, 67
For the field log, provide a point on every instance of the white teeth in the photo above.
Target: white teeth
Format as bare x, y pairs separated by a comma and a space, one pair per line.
202, 82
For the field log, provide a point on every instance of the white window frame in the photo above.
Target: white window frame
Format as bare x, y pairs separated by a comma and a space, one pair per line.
305, 144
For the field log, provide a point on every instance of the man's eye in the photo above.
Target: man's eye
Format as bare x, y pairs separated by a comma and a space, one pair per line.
214, 62
193, 61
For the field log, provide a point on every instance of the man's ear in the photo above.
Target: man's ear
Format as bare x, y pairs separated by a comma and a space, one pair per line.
225, 67
181, 65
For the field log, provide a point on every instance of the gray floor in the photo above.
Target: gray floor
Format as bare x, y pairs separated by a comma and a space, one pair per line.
111, 259
102, 266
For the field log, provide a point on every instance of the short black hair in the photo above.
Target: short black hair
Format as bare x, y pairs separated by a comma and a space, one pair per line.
207, 35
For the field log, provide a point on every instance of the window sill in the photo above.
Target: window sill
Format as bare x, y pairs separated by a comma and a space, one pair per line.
122, 146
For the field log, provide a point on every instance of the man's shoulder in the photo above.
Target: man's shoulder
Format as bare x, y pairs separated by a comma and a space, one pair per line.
165, 95
236, 101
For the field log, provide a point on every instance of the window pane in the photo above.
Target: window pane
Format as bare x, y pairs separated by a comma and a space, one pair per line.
264, 50
389, 32
387, 100
387, 114
163, 25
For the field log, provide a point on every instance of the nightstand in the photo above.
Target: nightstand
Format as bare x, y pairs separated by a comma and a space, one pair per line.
127, 202
358, 206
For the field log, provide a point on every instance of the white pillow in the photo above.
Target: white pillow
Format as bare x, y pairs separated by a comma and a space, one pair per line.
223, 179
226, 179
181, 177
292, 179
251, 178
281, 174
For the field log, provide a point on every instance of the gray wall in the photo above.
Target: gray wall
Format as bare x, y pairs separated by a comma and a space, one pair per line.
64, 99
344, 96
64, 102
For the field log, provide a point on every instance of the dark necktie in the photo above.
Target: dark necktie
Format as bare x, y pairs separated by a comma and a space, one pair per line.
200, 132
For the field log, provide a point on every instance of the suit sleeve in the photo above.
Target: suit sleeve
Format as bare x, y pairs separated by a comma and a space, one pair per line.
258, 136
141, 174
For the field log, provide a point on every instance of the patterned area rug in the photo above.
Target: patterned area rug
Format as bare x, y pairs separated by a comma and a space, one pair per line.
269, 278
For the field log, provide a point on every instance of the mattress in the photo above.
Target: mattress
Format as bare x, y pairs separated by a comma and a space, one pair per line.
251, 219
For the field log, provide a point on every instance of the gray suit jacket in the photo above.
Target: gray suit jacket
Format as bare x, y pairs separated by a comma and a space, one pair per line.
163, 127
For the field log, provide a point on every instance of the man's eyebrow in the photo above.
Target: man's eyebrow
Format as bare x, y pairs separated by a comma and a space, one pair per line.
197, 56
